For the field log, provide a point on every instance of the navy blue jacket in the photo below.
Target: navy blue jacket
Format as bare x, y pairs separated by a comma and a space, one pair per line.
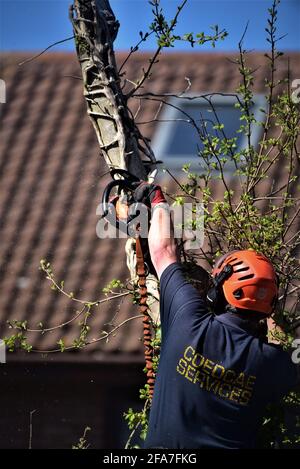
214, 377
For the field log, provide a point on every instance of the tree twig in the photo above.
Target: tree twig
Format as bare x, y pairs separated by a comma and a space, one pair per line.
34, 57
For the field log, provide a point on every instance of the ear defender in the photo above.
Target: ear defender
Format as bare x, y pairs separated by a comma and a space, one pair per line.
215, 294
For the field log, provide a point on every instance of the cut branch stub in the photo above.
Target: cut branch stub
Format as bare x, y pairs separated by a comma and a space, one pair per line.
95, 29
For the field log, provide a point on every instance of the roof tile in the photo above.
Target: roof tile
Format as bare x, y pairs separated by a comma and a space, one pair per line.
50, 187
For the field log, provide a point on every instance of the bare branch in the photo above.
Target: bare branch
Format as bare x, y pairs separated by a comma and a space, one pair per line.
45, 50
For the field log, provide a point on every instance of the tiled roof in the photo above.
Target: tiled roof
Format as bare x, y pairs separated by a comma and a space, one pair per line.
51, 184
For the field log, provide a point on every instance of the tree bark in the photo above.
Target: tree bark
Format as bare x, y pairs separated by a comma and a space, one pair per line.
121, 143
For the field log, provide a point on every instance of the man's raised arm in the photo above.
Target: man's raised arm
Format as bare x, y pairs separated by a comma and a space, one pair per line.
161, 240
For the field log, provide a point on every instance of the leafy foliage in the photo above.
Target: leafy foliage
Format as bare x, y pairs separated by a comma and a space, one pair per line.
82, 443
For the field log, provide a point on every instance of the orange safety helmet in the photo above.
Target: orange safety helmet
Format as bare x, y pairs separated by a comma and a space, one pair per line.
248, 279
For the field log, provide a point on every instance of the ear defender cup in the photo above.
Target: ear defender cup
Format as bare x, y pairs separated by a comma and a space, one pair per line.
212, 297
215, 296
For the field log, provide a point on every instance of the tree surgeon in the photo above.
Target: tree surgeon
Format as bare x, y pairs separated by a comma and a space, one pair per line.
216, 374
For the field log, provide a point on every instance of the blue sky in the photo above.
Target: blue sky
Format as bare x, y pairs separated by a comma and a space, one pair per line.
35, 24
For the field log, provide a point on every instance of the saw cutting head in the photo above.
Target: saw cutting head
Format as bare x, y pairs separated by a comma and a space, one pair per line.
116, 207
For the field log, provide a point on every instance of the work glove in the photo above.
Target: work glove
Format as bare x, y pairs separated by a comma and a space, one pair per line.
149, 194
